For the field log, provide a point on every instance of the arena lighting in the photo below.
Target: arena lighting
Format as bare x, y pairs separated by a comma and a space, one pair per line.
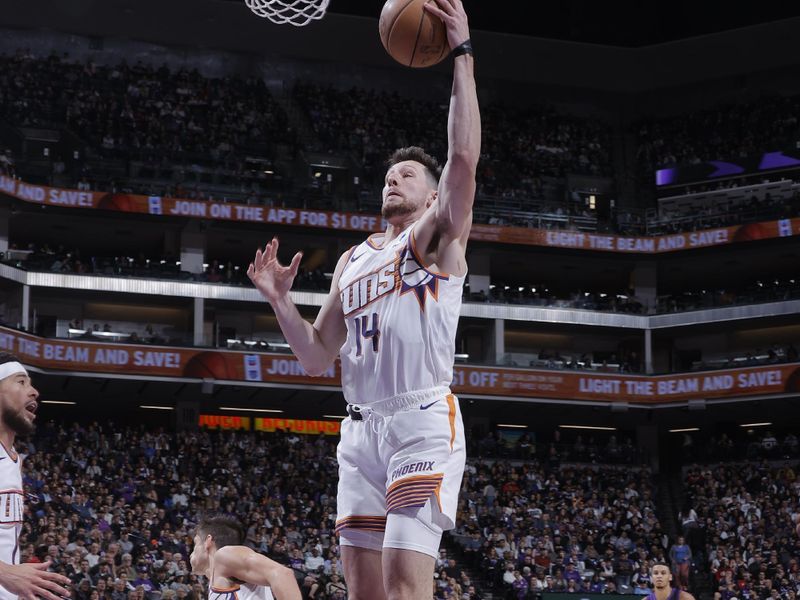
335, 416
684, 430
153, 407
461, 356
592, 427
56, 402
754, 424
512, 426
243, 409
279, 345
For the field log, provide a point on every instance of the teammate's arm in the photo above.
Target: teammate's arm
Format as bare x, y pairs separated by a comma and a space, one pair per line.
316, 346
32, 580
244, 564
452, 212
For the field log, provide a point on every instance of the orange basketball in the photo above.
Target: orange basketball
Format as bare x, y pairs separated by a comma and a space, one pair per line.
411, 35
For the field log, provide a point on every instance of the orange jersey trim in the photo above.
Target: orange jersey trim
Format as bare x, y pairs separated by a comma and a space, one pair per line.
451, 403
12, 454
411, 492
365, 522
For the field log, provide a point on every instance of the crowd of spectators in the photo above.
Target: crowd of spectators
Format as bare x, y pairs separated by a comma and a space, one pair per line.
541, 526
113, 507
724, 132
182, 134
519, 146
127, 110
740, 522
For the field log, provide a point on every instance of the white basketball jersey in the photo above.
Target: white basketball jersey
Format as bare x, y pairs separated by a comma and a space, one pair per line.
11, 510
244, 591
401, 321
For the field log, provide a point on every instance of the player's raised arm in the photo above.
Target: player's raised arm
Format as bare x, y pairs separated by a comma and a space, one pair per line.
457, 184
316, 346
243, 564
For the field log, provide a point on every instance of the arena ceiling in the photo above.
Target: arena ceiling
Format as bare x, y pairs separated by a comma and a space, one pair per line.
624, 23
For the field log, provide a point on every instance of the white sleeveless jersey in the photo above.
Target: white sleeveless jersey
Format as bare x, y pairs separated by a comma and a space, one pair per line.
401, 321
11, 510
244, 591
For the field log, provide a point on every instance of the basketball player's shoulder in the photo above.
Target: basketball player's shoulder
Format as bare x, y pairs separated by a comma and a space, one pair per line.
228, 555
685, 596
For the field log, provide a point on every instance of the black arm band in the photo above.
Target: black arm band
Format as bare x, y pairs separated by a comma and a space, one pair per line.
463, 48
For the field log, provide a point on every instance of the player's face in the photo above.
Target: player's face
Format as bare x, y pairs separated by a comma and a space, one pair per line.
661, 576
18, 403
199, 557
406, 190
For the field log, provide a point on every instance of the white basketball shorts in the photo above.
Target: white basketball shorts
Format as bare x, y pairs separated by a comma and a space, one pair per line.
400, 459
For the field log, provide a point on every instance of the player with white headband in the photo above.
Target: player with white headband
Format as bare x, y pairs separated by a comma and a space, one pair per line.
18, 404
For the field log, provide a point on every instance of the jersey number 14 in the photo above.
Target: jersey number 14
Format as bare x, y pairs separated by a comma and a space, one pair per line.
363, 330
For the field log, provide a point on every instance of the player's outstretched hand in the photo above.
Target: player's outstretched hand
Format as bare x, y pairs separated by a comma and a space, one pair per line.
454, 17
32, 580
271, 278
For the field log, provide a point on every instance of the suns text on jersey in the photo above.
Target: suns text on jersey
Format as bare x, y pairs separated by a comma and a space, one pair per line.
370, 287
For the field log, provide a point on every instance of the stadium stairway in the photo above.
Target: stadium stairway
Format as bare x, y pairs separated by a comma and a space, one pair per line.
672, 496
482, 585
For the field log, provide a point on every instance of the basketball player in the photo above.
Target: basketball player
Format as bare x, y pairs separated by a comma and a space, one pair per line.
18, 404
391, 316
662, 590
234, 571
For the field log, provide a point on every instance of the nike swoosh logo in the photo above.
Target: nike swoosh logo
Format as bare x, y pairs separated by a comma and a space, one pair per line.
427, 406
3, 457
355, 258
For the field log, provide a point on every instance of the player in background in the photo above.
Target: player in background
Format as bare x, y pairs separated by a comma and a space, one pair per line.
18, 405
234, 571
662, 585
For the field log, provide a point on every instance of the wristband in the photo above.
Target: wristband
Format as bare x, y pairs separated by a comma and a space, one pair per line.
463, 48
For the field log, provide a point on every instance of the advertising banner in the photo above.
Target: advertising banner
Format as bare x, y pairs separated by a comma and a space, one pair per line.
228, 365
342, 221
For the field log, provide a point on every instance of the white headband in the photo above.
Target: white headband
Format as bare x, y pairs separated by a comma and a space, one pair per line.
11, 368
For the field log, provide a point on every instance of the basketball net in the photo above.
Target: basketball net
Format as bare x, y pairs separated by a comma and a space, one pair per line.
294, 12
